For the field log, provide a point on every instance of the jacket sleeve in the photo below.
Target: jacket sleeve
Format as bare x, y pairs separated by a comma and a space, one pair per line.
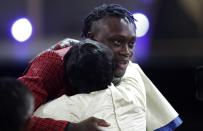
47, 124
44, 77
161, 116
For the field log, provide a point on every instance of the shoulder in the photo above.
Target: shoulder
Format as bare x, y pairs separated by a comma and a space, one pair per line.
133, 71
132, 68
51, 55
64, 43
58, 49
133, 65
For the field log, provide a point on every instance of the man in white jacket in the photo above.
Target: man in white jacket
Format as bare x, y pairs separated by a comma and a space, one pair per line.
134, 104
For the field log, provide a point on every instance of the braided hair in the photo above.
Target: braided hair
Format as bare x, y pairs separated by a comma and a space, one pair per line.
102, 11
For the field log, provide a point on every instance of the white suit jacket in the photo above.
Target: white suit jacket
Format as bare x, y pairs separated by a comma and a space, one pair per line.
134, 105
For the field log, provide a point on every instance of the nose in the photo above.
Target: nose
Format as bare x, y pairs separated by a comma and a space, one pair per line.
125, 50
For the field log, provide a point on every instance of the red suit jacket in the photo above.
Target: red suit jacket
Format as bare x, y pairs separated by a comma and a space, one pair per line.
45, 78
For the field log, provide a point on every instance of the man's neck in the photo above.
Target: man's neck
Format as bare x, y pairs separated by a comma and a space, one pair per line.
116, 81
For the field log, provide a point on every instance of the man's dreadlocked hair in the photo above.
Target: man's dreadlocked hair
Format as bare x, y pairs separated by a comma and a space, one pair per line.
105, 10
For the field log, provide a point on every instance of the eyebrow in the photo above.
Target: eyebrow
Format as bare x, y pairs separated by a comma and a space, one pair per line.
121, 37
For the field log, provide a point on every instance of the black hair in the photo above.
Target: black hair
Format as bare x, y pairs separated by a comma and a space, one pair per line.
102, 11
15, 104
89, 66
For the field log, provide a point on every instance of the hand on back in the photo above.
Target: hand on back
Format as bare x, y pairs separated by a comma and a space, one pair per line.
90, 124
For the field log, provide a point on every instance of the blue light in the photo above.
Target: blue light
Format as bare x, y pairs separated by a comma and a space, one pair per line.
21, 29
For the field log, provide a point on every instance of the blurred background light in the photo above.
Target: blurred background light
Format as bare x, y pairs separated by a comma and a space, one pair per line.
142, 24
168, 48
21, 29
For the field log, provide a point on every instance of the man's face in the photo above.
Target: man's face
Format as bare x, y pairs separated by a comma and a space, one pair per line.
119, 35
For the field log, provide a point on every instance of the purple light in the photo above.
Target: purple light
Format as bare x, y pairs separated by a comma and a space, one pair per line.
142, 24
147, 1
21, 29
142, 49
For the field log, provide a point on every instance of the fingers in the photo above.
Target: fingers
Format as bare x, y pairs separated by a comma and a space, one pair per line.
103, 123
100, 122
90, 124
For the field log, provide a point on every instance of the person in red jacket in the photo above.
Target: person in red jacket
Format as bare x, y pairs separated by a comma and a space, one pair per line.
45, 76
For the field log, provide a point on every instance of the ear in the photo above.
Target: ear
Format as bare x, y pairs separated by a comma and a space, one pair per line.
90, 35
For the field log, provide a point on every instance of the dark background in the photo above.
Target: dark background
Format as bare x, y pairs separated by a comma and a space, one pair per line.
175, 44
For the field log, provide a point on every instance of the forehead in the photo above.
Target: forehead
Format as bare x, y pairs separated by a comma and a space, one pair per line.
116, 25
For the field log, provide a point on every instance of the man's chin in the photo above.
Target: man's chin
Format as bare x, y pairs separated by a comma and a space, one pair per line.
120, 68
119, 74
117, 77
